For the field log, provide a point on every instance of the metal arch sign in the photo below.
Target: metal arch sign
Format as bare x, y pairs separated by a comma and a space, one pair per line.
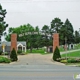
31, 33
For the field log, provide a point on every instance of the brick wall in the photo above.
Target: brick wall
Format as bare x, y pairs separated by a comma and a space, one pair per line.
14, 41
55, 40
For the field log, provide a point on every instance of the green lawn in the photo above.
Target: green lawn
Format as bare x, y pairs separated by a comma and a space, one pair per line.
41, 51
61, 49
77, 46
71, 54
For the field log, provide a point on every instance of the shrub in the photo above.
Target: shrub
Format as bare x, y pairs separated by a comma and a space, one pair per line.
6, 53
63, 61
13, 55
19, 51
0, 52
71, 60
4, 60
56, 54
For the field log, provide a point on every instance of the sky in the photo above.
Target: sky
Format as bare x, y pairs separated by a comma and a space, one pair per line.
41, 12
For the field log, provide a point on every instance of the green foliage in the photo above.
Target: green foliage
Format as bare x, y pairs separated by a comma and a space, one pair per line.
13, 55
56, 54
3, 24
41, 51
32, 40
71, 60
19, 51
56, 24
61, 49
6, 53
4, 60
66, 32
72, 54
0, 52
77, 46
63, 61
77, 37
44, 36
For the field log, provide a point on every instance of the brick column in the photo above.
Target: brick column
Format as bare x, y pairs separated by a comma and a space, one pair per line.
14, 41
55, 40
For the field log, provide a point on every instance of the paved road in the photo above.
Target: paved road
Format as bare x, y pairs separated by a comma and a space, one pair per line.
37, 67
38, 72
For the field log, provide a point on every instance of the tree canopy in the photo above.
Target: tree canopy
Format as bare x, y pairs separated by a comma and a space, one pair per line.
3, 24
56, 24
44, 36
66, 32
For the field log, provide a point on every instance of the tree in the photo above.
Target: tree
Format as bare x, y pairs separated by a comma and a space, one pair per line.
3, 24
45, 39
32, 40
37, 38
66, 33
56, 24
77, 37
56, 54
13, 55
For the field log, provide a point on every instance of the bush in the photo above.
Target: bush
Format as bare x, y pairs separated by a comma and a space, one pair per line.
56, 54
0, 52
4, 60
13, 55
19, 51
42, 51
6, 53
63, 61
71, 61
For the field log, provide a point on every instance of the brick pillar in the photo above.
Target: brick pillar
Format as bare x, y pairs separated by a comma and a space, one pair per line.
55, 40
14, 41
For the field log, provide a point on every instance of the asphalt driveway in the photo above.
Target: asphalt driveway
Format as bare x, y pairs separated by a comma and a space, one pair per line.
35, 59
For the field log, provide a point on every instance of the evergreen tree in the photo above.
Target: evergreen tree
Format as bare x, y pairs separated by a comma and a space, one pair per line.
56, 24
13, 55
56, 54
77, 37
3, 24
45, 36
66, 33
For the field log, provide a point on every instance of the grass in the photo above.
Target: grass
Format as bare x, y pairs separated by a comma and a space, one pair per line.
61, 49
4, 60
71, 54
41, 51
77, 46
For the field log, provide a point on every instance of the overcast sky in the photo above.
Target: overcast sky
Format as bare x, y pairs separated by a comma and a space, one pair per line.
41, 12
